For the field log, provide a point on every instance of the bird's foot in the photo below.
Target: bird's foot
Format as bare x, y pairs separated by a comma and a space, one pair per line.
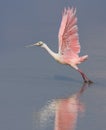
88, 81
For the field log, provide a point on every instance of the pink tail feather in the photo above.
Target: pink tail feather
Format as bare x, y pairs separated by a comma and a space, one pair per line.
83, 58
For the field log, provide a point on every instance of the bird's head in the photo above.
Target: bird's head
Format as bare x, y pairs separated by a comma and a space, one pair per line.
40, 43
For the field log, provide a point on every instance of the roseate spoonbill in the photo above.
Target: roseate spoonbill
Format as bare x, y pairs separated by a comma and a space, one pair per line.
69, 46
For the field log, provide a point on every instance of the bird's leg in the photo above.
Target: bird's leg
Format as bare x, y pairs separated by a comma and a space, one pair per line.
85, 78
83, 75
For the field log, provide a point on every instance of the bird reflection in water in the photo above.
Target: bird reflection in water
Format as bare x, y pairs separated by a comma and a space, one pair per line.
65, 111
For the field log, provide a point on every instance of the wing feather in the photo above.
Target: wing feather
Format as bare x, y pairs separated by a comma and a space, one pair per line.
68, 33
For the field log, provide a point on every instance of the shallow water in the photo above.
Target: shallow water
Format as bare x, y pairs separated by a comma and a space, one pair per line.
29, 84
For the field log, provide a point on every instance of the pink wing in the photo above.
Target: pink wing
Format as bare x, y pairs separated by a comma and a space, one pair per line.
68, 34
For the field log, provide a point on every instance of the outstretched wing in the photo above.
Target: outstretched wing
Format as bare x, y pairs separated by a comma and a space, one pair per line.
68, 33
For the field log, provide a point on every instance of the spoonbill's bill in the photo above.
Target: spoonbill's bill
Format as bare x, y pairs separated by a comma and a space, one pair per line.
69, 46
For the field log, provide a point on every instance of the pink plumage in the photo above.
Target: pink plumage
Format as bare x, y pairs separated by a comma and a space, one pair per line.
69, 46
68, 33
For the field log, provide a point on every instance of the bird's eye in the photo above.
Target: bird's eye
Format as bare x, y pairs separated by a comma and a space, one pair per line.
40, 43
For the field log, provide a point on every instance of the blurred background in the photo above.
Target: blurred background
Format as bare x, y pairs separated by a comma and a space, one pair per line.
29, 77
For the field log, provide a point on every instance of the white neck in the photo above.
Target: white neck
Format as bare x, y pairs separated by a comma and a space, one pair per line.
53, 54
